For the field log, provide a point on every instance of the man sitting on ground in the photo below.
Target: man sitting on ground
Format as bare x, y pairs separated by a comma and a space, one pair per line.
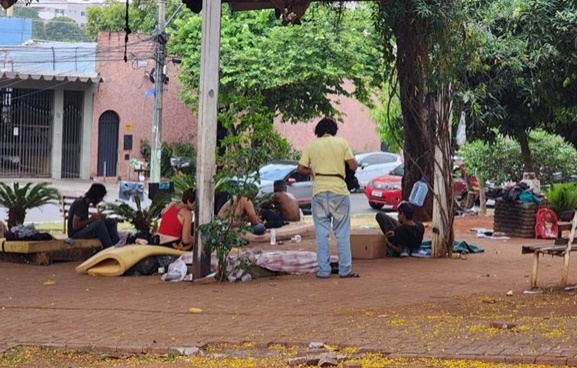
82, 225
405, 235
241, 209
283, 206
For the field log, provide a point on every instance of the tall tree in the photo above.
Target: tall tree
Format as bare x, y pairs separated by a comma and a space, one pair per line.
268, 70
523, 75
420, 37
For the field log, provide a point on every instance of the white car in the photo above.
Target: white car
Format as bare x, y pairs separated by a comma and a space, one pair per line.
373, 164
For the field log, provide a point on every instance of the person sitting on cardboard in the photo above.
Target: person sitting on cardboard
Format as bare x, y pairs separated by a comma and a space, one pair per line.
402, 236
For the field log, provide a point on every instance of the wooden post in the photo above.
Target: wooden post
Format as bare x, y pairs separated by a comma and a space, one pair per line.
535, 269
565, 274
207, 123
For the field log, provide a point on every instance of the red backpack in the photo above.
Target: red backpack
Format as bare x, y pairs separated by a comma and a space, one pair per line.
546, 226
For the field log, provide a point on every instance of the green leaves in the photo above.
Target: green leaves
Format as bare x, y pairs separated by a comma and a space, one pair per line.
289, 70
19, 199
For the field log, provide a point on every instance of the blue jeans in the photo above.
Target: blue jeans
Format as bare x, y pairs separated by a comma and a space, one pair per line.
329, 207
105, 231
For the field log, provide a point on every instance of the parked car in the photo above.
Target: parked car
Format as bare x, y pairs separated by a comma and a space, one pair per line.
299, 185
373, 164
387, 189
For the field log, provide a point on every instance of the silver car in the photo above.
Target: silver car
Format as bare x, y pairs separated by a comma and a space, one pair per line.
373, 164
299, 185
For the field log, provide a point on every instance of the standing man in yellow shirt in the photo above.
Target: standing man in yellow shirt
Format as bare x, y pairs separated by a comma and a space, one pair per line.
325, 160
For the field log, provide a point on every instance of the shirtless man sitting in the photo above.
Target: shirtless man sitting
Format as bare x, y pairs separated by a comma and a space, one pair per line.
285, 202
242, 210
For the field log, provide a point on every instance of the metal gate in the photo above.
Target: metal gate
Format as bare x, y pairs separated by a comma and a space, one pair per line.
25, 128
72, 134
107, 144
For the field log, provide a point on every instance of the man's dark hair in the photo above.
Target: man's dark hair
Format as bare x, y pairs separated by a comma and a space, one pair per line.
279, 186
326, 126
407, 210
189, 195
96, 192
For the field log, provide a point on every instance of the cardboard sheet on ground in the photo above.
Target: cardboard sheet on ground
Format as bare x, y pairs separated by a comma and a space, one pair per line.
115, 261
284, 233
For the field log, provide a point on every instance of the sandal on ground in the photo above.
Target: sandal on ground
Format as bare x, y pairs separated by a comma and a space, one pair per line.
323, 277
351, 275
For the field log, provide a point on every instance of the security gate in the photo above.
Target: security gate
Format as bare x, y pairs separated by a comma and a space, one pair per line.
107, 144
25, 128
72, 134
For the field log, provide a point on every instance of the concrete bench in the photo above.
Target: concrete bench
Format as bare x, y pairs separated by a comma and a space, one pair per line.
45, 252
558, 249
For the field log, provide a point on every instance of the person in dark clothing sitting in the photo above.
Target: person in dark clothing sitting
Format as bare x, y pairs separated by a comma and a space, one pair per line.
405, 235
82, 225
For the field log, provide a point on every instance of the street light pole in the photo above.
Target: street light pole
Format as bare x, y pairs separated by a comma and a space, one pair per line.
160, 55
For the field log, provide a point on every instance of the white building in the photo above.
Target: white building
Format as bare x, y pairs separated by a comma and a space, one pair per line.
74, 9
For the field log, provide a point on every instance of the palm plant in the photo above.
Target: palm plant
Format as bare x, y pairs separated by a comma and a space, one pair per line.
18, 199
144, 220
562, 198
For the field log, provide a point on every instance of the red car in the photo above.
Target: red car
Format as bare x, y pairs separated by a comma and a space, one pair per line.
387, 189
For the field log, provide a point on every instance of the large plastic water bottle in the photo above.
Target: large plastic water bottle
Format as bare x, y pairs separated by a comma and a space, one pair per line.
419, 193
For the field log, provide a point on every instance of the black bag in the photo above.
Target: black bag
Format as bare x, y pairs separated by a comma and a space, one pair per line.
272, 219
350, 178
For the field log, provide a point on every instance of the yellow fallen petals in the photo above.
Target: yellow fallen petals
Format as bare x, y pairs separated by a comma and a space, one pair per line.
194, 310
49, 282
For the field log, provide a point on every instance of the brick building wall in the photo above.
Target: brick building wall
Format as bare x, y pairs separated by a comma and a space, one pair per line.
123, 91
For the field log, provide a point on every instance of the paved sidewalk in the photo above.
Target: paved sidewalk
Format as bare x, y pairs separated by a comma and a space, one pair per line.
402, 307
72, 187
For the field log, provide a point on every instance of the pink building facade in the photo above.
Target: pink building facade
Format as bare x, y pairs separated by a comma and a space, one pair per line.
123, 110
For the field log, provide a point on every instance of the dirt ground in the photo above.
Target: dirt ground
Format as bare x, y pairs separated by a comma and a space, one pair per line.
400, 308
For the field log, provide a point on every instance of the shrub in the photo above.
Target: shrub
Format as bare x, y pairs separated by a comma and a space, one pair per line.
562, 197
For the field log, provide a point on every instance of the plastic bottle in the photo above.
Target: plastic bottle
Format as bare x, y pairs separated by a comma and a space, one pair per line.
272, 236
296, 239
419, 193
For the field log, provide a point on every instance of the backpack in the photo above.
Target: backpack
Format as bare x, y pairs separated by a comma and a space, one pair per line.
546, 229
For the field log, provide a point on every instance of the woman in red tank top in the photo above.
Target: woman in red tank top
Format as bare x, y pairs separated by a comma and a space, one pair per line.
176, 222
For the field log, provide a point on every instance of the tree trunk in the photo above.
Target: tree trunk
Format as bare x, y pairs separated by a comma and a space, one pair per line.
444, 202
412, 56
525, 151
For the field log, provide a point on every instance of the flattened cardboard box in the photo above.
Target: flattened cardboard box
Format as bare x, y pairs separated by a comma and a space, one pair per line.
368, 244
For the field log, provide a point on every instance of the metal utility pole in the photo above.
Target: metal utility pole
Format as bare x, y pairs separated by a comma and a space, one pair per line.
160, 55
207, 122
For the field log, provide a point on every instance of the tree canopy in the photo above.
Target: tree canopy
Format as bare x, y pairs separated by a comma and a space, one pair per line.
142, 17
289, 70
523, 73
64, 29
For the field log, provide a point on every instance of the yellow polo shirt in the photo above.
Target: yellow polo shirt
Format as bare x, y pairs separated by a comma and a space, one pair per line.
327, 155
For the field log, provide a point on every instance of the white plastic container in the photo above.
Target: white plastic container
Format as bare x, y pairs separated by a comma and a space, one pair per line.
419, 193
272, 237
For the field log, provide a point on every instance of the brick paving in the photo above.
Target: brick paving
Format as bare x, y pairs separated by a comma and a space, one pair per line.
399, 307
402, 307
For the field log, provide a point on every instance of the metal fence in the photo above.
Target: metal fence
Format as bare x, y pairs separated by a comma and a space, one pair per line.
25, 132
